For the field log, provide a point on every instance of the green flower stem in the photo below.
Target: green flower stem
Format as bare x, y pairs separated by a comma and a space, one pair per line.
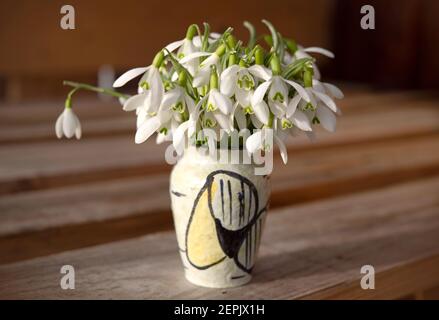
191, 31
259, 56
158, 59
220, 50
182, 78
231, 41
68, 103
232, 59
307, 77
83, 86
291, 45
270, 120
275, 65
213, 78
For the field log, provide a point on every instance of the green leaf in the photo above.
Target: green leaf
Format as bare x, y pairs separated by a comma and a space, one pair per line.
205, 42
222, 39
295, 67
252, 39
274, 34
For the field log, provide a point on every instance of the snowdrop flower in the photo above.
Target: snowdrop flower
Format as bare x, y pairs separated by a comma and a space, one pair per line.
321, 108
218, 106
151, 87
264, 140
300, 52
202, 74
240, 82
185, 91
213, 36
185, 48
277, 88
68, 124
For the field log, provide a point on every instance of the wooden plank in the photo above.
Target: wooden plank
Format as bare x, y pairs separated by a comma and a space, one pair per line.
14, 134
25, 123
59, 163
306, 249
44, 222
46, 111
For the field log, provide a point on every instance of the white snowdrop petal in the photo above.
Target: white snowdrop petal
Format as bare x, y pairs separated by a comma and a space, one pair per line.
224, 121
256, 122
201, 78
69, 123
243, 97
78, 131
230, 71
277, 108
260, 72
171, 97
221, 101
300, 90
178, 136
326, 100
334, 90
150, 126
173, 45
262, 112
282, 149
319, 50
157, 91
58, 126
327, 118
194, 56
292, 105
260, 91
228, 80
318, 86
240, 118
190, 103
134, 102
254, 142
129, 75
301, 121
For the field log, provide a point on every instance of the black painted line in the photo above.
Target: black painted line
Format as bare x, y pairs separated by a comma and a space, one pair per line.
230, 200
222, 195
178, 194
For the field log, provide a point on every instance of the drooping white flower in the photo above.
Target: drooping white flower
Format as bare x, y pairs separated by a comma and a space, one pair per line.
68, 125
220, 107
188, 126
321, 108
213, 36
302, 52
277, 88
202, 73
240, 82
151, 90
265, 139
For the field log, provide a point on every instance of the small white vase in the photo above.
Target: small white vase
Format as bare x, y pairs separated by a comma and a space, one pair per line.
219, 211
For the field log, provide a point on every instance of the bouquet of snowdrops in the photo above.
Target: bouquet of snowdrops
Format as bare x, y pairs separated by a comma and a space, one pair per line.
214, 81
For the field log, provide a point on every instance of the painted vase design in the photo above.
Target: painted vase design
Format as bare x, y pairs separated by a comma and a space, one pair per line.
219, 212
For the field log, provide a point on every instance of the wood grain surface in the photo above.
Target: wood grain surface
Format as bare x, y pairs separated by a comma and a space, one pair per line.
368, 194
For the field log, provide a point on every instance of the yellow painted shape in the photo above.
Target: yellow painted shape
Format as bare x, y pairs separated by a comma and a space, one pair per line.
203, 247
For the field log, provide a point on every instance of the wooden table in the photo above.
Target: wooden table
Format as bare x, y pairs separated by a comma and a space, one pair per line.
366, 195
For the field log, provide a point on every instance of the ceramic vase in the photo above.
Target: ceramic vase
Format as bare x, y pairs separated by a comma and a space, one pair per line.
219, 211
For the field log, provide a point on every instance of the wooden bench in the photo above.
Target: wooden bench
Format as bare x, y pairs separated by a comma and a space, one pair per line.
366, 195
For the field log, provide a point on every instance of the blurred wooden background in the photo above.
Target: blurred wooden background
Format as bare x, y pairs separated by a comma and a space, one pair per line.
37, 54
367, 194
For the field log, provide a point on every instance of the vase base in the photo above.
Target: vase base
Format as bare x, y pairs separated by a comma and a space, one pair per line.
218, 283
